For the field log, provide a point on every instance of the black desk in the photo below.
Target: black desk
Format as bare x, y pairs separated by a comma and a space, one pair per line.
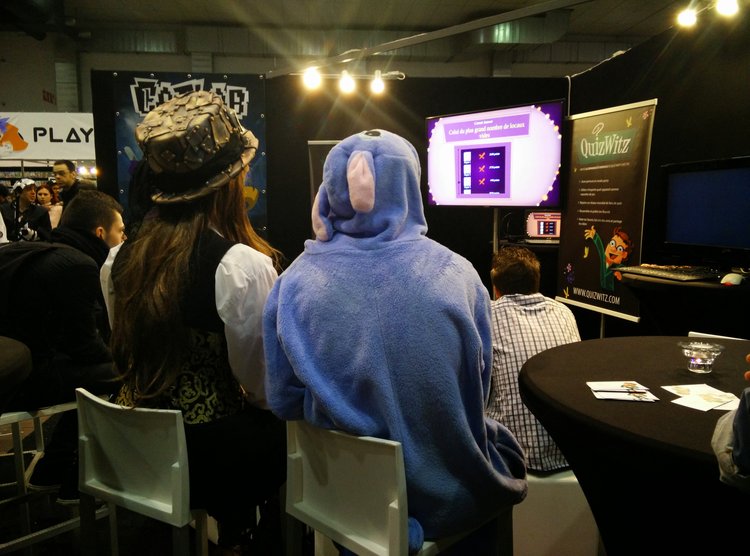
647, 469
672, 307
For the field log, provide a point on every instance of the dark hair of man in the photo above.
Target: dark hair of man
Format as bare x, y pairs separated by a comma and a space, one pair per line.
89, 210
515, 270
149, 337
69, 164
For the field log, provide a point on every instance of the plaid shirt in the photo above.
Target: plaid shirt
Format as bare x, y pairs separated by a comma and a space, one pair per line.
522, 326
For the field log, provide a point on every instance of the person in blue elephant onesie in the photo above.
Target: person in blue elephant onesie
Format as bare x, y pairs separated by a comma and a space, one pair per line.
377, 330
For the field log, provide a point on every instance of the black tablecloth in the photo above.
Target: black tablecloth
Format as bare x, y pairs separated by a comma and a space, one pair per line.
647, 469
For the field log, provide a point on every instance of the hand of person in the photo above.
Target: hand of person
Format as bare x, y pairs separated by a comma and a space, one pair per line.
589, 233
27, 233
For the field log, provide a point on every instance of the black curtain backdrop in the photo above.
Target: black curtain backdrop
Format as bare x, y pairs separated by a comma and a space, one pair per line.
700, 78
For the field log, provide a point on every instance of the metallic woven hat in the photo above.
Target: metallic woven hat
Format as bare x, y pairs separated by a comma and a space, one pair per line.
194, 145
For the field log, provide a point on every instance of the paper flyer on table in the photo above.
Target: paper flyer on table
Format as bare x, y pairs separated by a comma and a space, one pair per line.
626, 396
617, 386
627, 390
703, 397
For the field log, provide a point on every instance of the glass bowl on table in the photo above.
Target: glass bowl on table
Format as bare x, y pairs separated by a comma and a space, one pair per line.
701, 355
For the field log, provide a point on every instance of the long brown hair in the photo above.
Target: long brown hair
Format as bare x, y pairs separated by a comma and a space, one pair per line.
149, 276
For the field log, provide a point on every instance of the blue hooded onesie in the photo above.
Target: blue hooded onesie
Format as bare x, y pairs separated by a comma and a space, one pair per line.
377, 330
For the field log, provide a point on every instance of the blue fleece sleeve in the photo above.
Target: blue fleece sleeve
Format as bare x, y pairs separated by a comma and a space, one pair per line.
284, 392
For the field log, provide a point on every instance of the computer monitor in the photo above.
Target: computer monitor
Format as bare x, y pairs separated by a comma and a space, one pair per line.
543, 226
502, 157
707, 216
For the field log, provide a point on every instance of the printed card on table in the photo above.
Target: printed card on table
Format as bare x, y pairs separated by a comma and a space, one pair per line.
628, 390
626, 396
703, 397
617, 386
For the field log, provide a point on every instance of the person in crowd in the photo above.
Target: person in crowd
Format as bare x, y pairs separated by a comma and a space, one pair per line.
74, 353
46, 198
4, 194
24, 219
4, 199
731, 442
377, 330
67, 179
189, 290
524, 323
56, 190
3, 230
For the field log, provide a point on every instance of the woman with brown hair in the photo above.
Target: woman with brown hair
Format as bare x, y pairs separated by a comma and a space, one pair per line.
47, 199
189, 291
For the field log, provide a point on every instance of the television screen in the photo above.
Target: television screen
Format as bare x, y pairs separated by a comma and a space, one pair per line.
708, 204
504, 157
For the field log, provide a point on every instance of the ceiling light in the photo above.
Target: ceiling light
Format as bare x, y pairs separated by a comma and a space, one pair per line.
346, 83
727, 7
377, 85
687, 17
311, 78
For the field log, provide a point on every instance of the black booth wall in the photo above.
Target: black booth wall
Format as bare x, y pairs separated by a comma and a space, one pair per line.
295, 116
701, 78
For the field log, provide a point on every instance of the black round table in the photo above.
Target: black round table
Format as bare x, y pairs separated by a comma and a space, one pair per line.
647, 469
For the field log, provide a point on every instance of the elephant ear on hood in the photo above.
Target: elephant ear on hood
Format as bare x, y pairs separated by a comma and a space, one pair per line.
370, 191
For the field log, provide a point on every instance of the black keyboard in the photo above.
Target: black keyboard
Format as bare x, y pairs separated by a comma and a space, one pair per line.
672, 272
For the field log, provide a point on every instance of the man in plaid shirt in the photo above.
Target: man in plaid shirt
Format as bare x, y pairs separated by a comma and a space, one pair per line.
524, 323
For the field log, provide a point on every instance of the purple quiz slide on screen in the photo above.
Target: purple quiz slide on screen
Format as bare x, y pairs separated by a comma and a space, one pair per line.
503, 157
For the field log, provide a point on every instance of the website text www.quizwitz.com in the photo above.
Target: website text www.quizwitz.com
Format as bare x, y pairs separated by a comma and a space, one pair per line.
597, 296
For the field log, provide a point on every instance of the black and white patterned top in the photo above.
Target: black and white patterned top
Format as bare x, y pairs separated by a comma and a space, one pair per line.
522, 326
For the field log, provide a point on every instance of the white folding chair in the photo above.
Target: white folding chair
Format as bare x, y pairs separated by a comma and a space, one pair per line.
135, 458
555, 519
352, 490
23, 472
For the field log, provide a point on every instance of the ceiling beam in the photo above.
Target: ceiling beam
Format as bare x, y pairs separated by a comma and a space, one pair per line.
359, 54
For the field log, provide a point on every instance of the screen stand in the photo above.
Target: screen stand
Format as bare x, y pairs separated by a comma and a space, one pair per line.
495, 228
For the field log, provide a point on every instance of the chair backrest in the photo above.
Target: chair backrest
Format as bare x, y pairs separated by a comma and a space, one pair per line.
695, 334
135, 458
352, 489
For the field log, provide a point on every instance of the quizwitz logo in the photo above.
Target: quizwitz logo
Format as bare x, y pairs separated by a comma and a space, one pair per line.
147, 94
601, 146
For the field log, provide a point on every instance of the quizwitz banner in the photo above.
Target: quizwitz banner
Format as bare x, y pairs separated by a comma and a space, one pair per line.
47, 136
603, 221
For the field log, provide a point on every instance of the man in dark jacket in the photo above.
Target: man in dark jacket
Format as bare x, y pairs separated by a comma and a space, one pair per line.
66, 333
24, 219
67, 178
